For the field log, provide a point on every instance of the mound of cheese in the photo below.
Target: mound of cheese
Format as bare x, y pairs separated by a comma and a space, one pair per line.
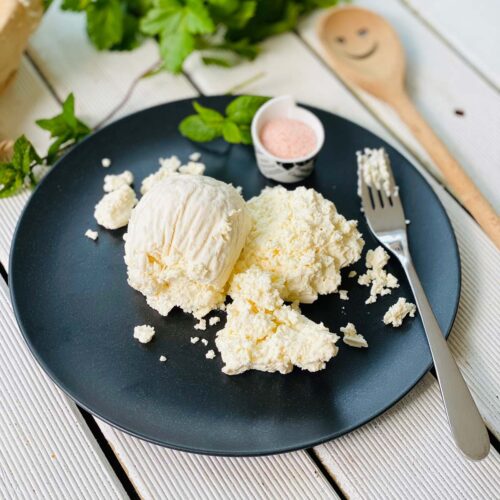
262, 333
183, 239
299, 237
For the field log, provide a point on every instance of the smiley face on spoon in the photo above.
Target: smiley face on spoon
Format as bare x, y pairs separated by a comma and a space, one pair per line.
359, 40
362, 47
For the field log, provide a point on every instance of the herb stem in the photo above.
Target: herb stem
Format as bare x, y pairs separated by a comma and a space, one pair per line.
237, 88
127, 95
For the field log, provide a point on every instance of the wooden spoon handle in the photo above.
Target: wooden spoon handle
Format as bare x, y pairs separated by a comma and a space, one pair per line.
460, 183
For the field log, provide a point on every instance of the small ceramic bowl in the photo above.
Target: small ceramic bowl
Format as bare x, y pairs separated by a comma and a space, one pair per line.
273, 167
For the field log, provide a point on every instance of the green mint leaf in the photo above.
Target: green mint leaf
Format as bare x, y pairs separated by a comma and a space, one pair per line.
66, 124
131, 35
217, 61
24, 155
193, 127
11, 180
75, 5
162, 20
223, 8
246, 135
242, 109
198, 20
105, 23
231, 132
208, 115
174, 49
240, 18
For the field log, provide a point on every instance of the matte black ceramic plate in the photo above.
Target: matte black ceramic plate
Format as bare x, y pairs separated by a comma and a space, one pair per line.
77, 312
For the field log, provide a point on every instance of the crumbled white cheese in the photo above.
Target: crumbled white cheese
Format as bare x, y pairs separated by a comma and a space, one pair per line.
163, 359
171, 166
192, 168
374, 165
204, 341
352, 337
300, 237
168, 166
398, 312
262, 333
195, 156
213, 321
93, 235
239, 189
106, 162
183, 240
194, 340
380, 280
407, 221
115, 208
201, 325
210, 354
114, 182
352, 274
144, 333
343, 295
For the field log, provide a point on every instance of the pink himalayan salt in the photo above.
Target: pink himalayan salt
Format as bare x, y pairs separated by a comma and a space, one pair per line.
287, 138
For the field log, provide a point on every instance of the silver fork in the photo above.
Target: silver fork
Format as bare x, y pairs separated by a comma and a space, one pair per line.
386, 220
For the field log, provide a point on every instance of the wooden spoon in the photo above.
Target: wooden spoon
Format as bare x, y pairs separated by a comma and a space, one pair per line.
364, 50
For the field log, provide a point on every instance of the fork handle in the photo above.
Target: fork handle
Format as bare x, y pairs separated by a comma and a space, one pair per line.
467, 426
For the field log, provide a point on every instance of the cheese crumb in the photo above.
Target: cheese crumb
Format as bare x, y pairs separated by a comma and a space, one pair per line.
114, 182
194, 340
343, 295
262, 333
144, 333
201, 325
163, 359
213, 321
195, 156
352, 337
398, 312
192, 168
374, 164
93, 235
204, 341
171, 166
115, 208
210, 354
300, 237
106, 162
168, 166
380, 280
352, 274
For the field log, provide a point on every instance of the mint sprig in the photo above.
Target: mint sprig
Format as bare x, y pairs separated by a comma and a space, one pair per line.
66, 130
234, 126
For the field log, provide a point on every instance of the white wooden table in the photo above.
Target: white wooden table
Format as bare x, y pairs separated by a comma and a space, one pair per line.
49, 449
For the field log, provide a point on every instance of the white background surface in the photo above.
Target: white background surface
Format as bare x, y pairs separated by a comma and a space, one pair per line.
46, 448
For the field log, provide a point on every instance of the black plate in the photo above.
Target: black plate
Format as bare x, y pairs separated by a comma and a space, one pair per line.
77, 312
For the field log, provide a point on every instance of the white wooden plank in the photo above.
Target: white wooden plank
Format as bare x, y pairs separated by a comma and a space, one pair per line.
439, 82
46, 449
469, 27
408, 453
159, 472
155, 471
319, 84
471, 339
